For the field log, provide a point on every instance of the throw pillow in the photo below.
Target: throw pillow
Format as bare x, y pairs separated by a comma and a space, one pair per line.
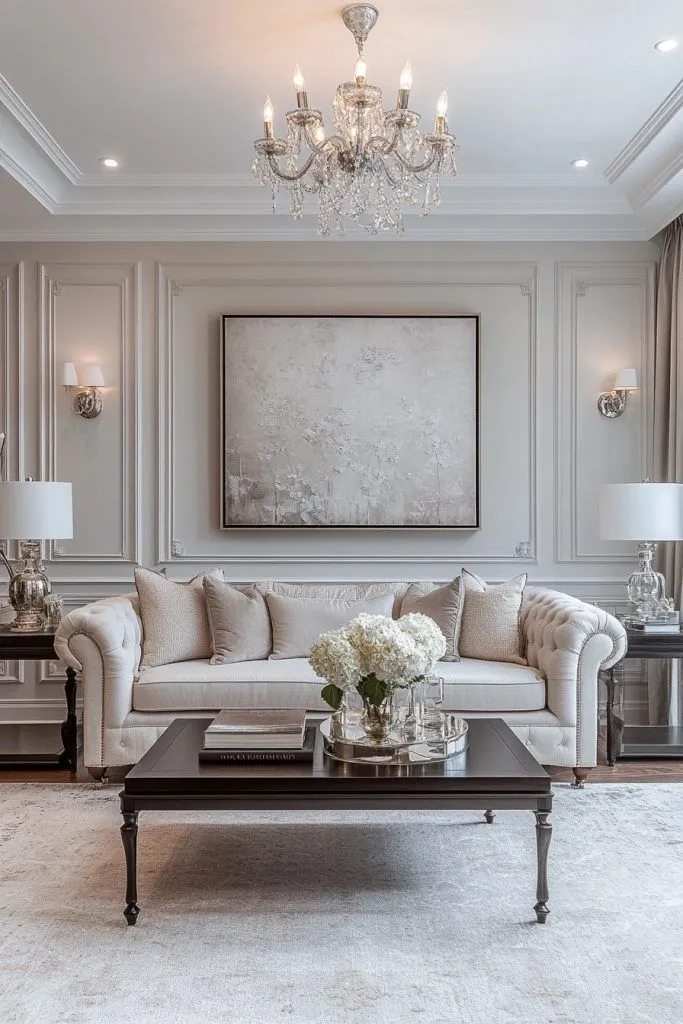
239, 622
442, 604
175, 622
339, 591
298, 621
491, 628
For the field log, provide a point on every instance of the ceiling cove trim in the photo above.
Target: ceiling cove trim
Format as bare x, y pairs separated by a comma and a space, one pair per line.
24, 116
665, 173
646, 134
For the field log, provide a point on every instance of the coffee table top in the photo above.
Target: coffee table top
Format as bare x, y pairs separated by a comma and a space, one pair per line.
496, 761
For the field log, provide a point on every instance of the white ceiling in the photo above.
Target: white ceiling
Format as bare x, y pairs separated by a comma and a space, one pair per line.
174, 89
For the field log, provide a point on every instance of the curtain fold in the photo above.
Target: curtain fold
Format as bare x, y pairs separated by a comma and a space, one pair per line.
667, 462
665, 694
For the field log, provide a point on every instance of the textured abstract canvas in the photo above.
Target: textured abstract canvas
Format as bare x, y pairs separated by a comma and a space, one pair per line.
350, 421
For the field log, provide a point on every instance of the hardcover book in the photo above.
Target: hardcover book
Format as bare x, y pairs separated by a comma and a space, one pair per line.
242, 728
253, 754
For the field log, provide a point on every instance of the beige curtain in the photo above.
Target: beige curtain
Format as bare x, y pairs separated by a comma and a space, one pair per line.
665, 700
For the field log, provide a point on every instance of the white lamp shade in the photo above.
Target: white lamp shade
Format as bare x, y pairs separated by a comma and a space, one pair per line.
69, 375
641, 512
35, 510
91, 377
626, 380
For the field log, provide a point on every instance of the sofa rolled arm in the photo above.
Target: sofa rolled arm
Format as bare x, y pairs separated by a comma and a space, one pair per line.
570, 642
103, 641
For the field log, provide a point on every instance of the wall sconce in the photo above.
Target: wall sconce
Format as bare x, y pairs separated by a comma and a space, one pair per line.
88, 401
612, 403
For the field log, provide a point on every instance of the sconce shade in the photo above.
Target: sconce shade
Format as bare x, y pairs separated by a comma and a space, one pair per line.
91, 377
69, 376
626, 380
35, 510
641, 512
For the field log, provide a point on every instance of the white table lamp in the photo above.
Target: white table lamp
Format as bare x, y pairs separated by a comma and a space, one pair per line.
645, 513
31, 511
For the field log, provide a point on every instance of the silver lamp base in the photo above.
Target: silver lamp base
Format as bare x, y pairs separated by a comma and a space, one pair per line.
28, 588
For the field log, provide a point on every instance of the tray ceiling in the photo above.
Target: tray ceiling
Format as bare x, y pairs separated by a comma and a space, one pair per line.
174, 90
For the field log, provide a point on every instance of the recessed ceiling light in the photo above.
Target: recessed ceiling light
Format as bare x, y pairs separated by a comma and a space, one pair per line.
109, 161
666, 45
579, 163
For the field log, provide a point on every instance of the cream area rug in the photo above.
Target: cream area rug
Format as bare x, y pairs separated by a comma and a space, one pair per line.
344, 918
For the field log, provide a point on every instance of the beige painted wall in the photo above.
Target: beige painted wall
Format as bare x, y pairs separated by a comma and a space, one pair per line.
557, 321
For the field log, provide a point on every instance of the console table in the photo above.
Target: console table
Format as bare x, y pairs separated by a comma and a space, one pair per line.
643, 740
41, 647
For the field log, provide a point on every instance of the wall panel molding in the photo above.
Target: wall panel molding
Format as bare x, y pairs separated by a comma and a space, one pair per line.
175, 280
12, 371
573, 283
54, 280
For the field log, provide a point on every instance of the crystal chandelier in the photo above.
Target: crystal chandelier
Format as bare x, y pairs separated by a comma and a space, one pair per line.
376, 161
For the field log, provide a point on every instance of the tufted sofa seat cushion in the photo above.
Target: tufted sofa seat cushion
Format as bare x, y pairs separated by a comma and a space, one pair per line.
291, 683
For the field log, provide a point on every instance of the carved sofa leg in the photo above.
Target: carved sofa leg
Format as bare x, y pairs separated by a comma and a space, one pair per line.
580, 776
98, 774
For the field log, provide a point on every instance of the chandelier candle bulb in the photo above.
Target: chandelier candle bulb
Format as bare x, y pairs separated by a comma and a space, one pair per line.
360, 72
404, 87
300, 86
268, 115
441, 111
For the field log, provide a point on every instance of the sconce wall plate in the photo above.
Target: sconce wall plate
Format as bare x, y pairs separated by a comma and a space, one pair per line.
88, 403
612, 403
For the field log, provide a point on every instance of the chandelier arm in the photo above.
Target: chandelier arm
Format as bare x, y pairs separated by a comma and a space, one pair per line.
383, 145
417, 168
296, 176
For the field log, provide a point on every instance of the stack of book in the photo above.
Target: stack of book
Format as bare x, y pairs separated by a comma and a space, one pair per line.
665, 624
258, 734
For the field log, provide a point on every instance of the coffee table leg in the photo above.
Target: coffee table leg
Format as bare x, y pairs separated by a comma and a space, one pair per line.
544, 831
129, 835
489, 815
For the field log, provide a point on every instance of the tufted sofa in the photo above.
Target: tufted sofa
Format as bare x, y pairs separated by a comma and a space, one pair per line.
550, 703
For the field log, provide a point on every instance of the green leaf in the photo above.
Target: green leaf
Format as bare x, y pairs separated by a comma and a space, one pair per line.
332, 695
373, 690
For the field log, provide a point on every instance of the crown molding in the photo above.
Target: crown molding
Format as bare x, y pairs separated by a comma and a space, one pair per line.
646, 134
660, 179
24, 116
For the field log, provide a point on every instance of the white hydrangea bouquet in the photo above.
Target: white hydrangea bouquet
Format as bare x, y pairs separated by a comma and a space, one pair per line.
375, 656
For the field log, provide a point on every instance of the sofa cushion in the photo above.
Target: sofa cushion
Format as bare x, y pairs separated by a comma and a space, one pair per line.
175, 622
298, 621
291, 683
491, 619
443, 605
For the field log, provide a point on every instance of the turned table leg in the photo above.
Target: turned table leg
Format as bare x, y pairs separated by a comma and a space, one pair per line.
544, 831
69, 756
129, 835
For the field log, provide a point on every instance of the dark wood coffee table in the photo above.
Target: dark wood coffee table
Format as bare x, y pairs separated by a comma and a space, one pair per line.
496, 772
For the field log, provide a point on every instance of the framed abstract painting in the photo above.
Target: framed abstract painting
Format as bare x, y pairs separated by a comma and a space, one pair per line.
350, 421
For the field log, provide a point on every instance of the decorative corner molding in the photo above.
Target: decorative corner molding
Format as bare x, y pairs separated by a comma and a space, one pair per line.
177, 549
57, 288
581, 288
176, 289
59, 550
523, 549
527, 288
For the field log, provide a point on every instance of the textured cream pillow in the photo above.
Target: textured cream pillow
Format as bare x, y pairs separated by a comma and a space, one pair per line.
175, 622
239, 622
491, 628
442, 604
339, 591
298, 621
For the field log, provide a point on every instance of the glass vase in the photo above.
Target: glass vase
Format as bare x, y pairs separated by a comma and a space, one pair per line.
376, 719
